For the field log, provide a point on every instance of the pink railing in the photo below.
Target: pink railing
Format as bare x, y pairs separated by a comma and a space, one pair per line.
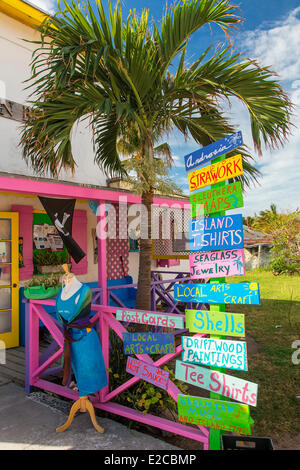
37, 368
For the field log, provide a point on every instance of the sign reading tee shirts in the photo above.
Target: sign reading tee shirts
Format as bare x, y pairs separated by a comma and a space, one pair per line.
61, 212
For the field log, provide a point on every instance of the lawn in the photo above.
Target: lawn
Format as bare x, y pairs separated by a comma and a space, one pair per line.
274, 325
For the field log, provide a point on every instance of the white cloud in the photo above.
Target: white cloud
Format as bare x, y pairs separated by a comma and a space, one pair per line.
47, 5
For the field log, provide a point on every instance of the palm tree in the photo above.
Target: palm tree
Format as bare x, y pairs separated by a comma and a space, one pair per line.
118, 74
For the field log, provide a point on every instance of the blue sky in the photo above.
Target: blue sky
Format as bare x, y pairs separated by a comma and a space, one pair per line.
271, 34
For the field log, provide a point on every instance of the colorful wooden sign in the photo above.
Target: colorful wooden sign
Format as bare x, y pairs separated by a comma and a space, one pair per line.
215, 323
217, 382
148, 372
150, 318
215, 352
218, 293
208, 201
216, 233
217, 414
224, 170
213, 264
148, 343
214, 150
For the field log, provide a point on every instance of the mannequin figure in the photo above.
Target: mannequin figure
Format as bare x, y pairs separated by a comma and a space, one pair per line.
82, 348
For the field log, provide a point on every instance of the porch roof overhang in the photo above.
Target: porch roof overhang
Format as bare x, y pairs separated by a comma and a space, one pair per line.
23, 11
38, 187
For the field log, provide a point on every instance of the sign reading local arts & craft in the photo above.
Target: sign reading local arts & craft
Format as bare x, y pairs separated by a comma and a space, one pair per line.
224, 170
215, 323
217, 414
216, 233
217, 382
214, 150
148, 343
215, 352
218, 293
208, 201
213, 264
148, 372
150, 318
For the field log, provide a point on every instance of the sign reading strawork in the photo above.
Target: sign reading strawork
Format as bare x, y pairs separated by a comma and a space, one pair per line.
224, 170
215, 352
213, 264
215, 323
148, 343
218, 293
214, 150
213, 200
215, 381
217, 414
216, 233
150, 318
148, 372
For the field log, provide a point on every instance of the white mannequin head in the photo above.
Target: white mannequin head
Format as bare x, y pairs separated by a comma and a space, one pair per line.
70, 284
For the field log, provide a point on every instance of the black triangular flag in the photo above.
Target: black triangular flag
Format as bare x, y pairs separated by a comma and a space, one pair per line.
60, 212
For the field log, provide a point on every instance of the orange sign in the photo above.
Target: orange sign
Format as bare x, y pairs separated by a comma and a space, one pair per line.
221, 171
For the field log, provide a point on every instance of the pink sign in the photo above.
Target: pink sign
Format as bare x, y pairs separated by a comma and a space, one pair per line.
148, 372
212, 264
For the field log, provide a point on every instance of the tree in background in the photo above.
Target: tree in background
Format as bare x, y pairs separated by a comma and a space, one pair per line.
132, 76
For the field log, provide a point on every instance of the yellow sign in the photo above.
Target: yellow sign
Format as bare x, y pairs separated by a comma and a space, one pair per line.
221, 171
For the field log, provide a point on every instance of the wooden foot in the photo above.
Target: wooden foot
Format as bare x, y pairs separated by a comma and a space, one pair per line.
84, 405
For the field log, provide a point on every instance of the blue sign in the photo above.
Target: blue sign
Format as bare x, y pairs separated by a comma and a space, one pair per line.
216, 233
214, 150
243, 293
148, 343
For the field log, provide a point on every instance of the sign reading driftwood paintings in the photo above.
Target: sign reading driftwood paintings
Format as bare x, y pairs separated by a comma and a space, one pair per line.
148, 372
213, 264
217, 414
215, 293
215, 323
148, 343
224, 170
214, 150
208, 201
215, 381
150, 318
216, 233
215, 352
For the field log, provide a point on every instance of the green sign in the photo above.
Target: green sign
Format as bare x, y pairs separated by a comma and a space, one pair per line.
217, 414
229, 196
215, 323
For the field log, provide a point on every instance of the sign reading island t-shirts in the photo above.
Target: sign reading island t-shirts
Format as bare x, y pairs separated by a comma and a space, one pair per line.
214, 293
148, 343
214, 150
216, 233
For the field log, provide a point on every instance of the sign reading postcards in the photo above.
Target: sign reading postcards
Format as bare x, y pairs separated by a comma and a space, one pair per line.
213, 264
217, 382
148, 343
148, 372
216, 233
215, 352
150, 318
214, 150
225, 293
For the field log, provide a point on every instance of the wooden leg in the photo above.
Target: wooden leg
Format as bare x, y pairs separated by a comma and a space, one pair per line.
83, 405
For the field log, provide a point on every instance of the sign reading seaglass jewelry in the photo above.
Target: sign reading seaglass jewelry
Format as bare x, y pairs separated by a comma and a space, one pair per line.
212, 264
213, 293
217, 382
215, 352
150, 318
216, 233
148, 343
208, 201
224, 170
214, 150
148, 372
215, 323
217, 414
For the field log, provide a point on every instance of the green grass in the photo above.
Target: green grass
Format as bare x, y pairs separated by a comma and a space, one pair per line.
274, 324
